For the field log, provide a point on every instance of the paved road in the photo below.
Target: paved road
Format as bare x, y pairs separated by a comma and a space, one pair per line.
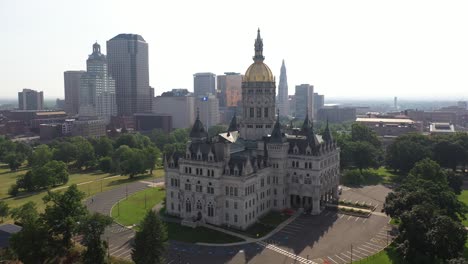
119, 237
326, 238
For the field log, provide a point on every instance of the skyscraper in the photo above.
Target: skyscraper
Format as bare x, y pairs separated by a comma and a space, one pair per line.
30, 100
319, 102
72, 91
97, 88
127, 56
304, 101
283, 102
208, 110
258, 97
229, 89
204, 83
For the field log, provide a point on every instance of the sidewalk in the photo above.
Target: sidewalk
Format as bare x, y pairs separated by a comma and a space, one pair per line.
246, 238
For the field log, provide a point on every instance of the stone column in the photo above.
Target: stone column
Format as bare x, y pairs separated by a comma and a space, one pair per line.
316, 203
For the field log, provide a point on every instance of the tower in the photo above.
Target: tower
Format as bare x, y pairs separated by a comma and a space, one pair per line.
97, 88
258, 96
127, 56
72, 91
283, 102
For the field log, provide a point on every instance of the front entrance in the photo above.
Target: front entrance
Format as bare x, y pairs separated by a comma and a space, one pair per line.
199, 216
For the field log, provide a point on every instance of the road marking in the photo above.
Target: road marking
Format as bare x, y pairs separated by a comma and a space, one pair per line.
294, 228
383, 232
332, 260
377, 246
371, 248
360, 253
381, 236
285, 253
122, 253
341, 216
357, 218
340, 258
364, 220
112, 253
327, 213
287, 232
350, 217
366, 250
356, 254
131, 236
345, 255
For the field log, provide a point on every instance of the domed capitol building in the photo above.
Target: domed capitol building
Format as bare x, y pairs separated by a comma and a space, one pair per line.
236, 177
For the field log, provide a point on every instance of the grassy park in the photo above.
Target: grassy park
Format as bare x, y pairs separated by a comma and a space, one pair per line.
88, 182
131, 210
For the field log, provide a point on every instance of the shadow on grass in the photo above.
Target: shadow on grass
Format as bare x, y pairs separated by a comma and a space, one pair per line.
129, 180
355, 178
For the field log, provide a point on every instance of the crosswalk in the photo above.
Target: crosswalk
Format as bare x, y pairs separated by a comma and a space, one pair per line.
285, 253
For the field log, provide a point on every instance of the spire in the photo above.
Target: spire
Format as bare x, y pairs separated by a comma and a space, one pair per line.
306, 124
198, 130
258, 48
276, 135
233, 124
327, 135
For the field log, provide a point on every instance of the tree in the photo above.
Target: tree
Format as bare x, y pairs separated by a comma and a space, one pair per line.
407, 150
40, 156
62, 214
92, 229
428, 169
4, 209
161, 138
446, 237
85, 153
31, 244
135, 162
455, 182
52, 173
364, 154
449, 153
65, 151
152, 156
149, 246
361, 132
104, 147
14, 160
105, 164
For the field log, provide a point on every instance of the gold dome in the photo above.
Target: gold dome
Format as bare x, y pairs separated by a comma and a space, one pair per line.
258, 72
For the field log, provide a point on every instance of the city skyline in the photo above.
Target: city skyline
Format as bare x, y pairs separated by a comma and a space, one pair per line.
351, 50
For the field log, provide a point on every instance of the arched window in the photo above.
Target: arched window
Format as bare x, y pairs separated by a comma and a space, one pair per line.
210, 210
188, 206
199, 205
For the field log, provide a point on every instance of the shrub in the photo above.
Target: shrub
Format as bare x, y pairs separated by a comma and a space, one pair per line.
13, 190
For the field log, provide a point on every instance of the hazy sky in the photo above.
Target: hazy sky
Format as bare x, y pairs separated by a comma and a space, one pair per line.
362, 49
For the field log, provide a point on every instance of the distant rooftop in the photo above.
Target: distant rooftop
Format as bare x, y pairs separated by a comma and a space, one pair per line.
385, 120
129, 37
442, 128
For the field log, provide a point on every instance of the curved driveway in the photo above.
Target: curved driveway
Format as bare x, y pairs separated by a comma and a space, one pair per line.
326, 238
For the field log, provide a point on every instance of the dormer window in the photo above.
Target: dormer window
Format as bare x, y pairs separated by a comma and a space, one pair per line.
199, 156
308, 150
210, 157
296, 150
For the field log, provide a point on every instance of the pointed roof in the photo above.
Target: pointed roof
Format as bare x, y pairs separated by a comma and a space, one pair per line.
233, 124
258, 48
276, 134
327, 135
306, 125
198, 129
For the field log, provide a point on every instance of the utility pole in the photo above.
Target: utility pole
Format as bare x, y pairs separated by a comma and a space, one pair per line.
126, 191
351, 253
101, 185
145, 200
108, 248
118, 208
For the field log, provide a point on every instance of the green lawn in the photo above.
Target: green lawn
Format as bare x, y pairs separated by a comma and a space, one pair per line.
198, 234
88, 182
133, 209
371, 177
464, 198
